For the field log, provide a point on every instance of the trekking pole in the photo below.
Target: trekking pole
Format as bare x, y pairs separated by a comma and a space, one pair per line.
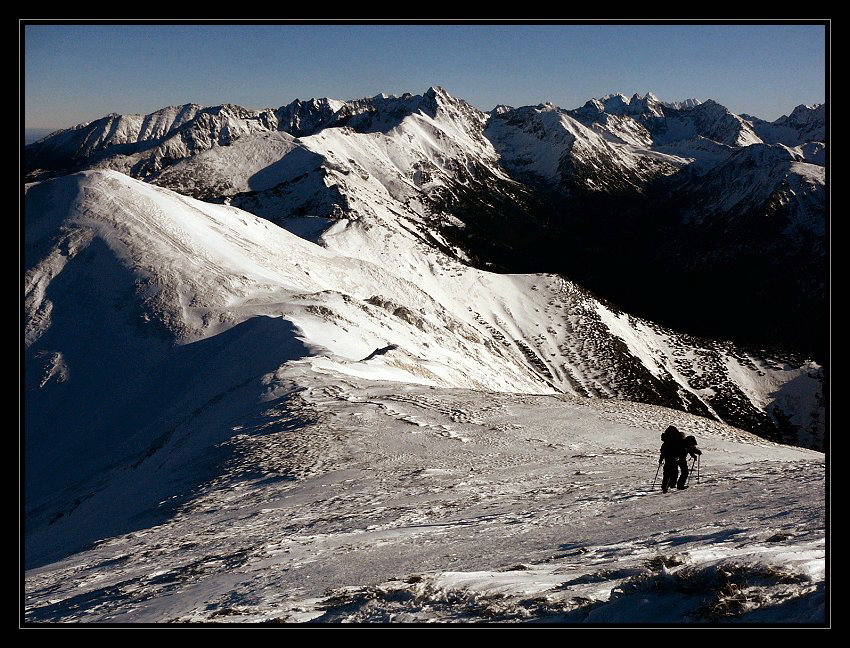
698, 458
656, 476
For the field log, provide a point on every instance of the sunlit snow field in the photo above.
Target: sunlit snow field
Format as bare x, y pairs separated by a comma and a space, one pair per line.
351, 501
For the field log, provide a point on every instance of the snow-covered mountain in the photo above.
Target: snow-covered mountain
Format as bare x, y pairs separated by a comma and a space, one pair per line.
619, 104
804, 124
143, 144
471, 186
376, 301
665, 125
356, 501
682, 105
261, 343
241, 297
608, 144
545, 142
306, 117
754, 176
548, 333
227, 377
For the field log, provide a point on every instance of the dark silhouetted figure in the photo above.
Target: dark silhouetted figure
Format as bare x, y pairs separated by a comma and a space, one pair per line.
674, 452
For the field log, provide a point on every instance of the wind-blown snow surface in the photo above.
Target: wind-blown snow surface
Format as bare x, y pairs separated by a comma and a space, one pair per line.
236, 420
355, 501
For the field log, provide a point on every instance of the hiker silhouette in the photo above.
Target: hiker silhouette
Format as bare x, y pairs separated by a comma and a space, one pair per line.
675, 449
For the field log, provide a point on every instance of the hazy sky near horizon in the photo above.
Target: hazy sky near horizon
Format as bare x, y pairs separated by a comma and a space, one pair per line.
77, 73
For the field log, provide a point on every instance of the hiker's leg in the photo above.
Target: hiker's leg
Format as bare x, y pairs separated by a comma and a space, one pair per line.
670, 473
683, 477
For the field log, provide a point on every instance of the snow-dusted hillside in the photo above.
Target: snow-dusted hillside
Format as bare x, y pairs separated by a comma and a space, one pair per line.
757, 175
668, 124
190, 270
547, 143
198, 307
432, 177
356, 501
804, 124
144, 144
305, 400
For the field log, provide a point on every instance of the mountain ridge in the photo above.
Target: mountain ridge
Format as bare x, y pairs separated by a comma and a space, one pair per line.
358, 375
289, 119
449, 177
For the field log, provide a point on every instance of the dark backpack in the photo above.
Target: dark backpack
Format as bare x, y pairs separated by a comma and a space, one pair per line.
691, 446
673, 435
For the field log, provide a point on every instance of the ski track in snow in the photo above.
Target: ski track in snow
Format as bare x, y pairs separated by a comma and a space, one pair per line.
356, 501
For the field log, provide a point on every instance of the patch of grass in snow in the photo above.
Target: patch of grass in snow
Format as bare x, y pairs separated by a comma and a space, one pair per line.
727, 590
416, 600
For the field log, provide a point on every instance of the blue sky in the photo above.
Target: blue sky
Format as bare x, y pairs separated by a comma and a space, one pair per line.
76, 73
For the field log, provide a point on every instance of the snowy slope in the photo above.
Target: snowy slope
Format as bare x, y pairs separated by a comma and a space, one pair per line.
196, 303
328, 413
385, 281
804, 124
144, 144
355, 501
194, 371
397, 174
749, 177
665, 124
709, 119
546, 142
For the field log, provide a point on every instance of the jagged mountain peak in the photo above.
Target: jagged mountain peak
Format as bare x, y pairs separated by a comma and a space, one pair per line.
442, 98
805, 113
647, 104
501, 109
644, 98
711, 104
546, 106
300, 118
436, 90
685, 104
636, 104
315, 102
385, 112
806, 123
165, 110
638, 120
806, 108
612, 103
620, 105
613, 97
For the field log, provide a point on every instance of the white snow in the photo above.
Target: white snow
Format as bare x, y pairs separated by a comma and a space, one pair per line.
545, 513
240, 424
